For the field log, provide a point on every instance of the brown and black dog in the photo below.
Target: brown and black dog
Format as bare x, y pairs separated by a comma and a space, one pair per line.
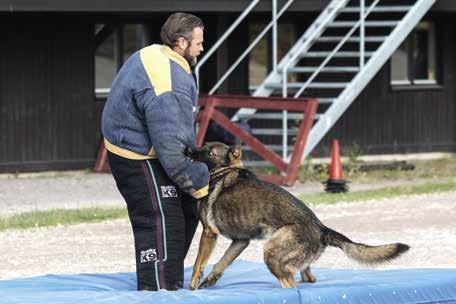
242, 207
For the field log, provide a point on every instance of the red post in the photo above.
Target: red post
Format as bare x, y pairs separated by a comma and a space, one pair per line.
301, 140
307, 106
204, 121
101, 163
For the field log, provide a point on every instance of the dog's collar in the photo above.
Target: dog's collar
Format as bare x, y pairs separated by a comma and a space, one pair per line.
219, 173
237, 164
222, 170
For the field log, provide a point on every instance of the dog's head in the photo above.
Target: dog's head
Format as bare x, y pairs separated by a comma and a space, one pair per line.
217, 154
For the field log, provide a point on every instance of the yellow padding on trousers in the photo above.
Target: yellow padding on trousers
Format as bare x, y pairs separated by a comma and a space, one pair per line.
127, 153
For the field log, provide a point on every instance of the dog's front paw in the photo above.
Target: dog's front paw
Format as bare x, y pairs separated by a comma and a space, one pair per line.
192, 287
194, 283
307, 277
196, 278
307, 280
209, 281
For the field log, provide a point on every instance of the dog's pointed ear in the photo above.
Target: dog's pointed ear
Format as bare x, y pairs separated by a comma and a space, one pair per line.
235, 152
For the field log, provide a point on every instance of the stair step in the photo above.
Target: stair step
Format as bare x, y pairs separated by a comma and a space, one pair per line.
367, 23
257, 163
336, 55
326, 100
271, 131
272, 147
341, 69
379, 9
352, 39
278, 115
314, 85
272, 116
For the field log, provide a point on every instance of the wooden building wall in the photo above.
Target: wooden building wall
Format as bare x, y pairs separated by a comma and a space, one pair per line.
49, 118
140, 6
46, 93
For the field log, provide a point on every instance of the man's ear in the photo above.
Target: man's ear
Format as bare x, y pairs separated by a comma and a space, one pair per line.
182, 43
235, 152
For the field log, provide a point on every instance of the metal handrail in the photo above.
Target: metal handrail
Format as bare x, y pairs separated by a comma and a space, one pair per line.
223, 37
338, 46
373, 65
327, 14
274, 35
362, 44
250, 47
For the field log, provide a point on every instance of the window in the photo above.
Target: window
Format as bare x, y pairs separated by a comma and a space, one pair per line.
415, 61
261, 55
132, 38
105, 67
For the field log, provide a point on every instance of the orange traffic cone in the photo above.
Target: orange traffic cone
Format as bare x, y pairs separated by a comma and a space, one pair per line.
336, 182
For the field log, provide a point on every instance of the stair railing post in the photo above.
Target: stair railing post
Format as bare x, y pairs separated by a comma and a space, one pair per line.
285, 113
274, 35
274, 68
336, 49
223, 38
284, 134
249, 48
362, 17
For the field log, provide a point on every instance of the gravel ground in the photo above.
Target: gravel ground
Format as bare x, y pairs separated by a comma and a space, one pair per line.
74, 189
425, 222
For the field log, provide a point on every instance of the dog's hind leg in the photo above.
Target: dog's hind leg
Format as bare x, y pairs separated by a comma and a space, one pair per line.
291, 281
287, 281
235, 249
283, 282
307, 276
285, 254
206, 246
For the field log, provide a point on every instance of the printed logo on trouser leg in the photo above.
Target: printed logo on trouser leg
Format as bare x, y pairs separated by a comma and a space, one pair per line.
148, 255
168, 191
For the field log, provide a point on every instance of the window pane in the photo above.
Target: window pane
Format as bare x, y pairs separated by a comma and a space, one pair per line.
424, 55
105, 69
399, 65
133, 39
258, 60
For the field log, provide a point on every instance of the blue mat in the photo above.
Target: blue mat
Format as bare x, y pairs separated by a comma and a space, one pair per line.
243, 282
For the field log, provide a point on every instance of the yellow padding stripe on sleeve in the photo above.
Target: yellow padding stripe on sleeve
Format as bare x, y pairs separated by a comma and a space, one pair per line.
127, 153
157, 67
201, 192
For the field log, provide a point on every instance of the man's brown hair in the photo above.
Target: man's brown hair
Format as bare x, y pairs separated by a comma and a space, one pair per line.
179, 25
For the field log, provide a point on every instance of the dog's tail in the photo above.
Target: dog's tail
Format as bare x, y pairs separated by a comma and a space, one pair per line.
363, 253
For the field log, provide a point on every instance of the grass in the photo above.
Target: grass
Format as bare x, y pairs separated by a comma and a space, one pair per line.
375, 194
87, 215
442, 168
58, 217
424, 169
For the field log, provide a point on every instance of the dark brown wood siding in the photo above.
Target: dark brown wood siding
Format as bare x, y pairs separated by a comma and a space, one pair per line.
142, 6
49, 118
46, 94
386, 120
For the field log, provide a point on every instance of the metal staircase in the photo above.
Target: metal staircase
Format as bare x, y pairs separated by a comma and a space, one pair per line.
336, 58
